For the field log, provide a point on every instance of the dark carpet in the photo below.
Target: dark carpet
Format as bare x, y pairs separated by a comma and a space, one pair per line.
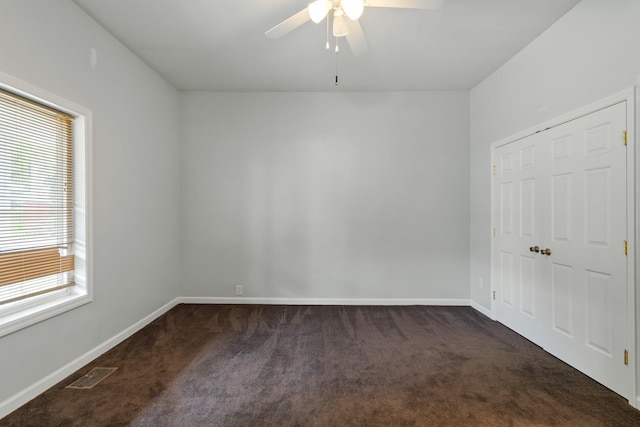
244, 365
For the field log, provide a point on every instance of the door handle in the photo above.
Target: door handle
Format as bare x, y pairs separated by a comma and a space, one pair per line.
546, 252
535, 249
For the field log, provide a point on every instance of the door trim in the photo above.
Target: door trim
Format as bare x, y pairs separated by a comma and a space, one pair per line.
632, 97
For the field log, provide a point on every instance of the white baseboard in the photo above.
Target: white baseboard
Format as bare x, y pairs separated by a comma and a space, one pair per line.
482, 309
24, 396
323, 301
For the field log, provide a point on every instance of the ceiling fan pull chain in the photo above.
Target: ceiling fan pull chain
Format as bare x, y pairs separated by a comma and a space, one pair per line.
328, 32
337, 50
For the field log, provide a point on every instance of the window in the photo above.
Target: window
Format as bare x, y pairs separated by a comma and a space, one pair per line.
43, 210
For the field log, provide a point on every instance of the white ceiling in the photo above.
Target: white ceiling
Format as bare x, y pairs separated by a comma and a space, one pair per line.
220, 45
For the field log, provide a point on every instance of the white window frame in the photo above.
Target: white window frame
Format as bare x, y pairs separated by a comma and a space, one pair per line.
20, 314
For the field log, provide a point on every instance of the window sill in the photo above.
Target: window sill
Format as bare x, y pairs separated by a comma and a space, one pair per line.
19, 319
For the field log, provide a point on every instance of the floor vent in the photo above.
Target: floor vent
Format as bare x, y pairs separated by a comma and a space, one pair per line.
91, 378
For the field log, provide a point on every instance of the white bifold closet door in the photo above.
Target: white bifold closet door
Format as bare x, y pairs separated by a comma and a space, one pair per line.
559, 261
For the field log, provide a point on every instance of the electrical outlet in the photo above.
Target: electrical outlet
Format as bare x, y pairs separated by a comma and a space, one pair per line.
238, 290
481, 283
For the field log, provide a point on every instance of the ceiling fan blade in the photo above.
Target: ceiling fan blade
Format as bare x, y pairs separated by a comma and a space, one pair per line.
288, 25
356, 39
405, 4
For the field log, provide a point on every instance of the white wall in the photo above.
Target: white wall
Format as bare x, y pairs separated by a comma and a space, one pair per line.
325, 195
46, 43
589, 54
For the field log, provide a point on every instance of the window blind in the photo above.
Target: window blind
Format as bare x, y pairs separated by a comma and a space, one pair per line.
36, 198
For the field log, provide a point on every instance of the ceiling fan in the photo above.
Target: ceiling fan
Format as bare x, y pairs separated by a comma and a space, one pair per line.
344, 15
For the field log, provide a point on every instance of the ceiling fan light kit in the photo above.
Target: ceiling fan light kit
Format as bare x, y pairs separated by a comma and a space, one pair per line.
318, 9
353, 8
340, 27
